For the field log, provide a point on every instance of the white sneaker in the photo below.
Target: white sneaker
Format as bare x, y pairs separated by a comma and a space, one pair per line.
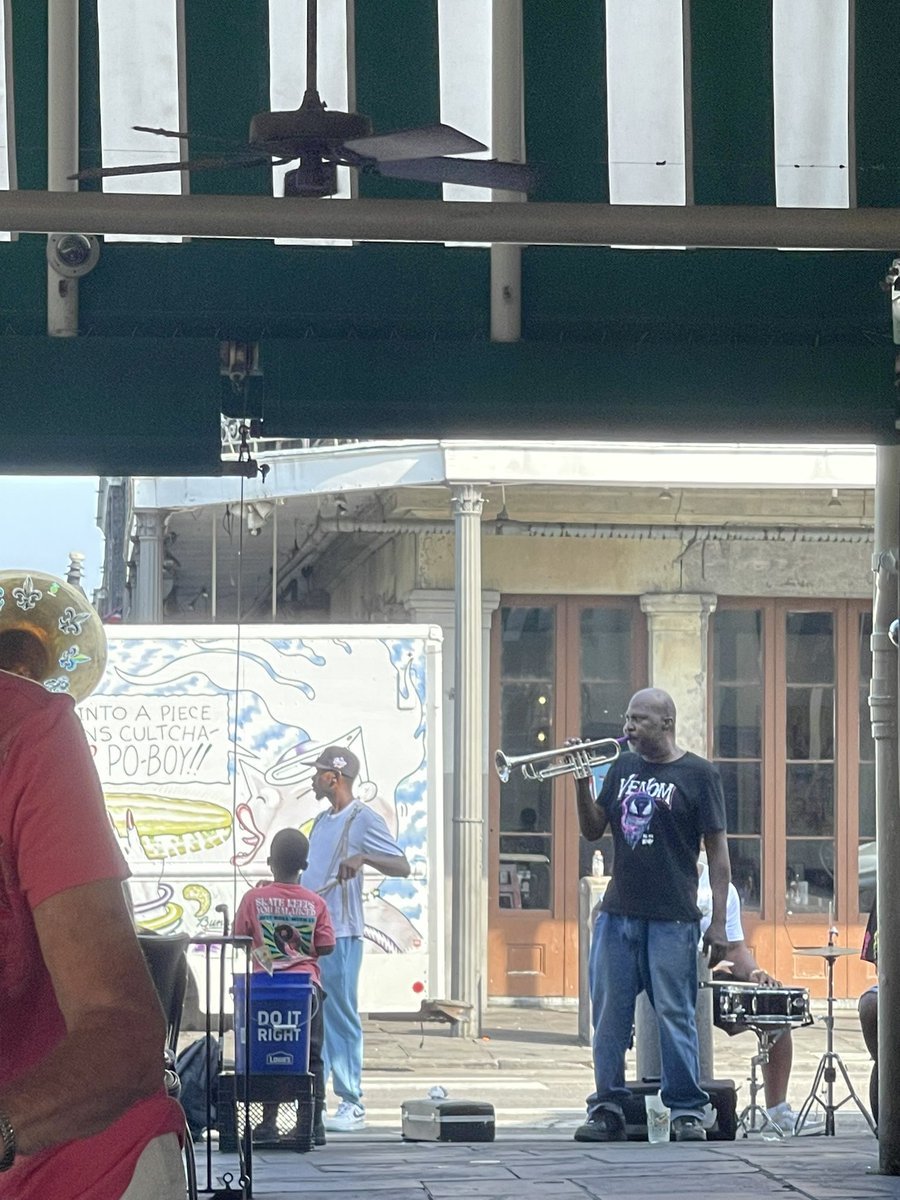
348, 1118
785, 1119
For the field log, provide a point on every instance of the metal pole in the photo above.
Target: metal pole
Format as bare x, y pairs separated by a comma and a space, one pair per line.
62, 148
552, 224
214, 569
274, 562
883, 707
507, 143
469, 938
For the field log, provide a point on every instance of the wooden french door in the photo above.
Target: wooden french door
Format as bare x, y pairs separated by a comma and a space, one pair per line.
790, 735
560, 667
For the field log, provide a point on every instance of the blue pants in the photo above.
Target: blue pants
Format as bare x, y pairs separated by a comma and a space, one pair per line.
342, 1050
630, 955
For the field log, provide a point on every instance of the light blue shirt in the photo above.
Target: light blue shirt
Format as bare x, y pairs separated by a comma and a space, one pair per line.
356, 829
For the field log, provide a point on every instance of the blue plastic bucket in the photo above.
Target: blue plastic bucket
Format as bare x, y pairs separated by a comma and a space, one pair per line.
278, 1025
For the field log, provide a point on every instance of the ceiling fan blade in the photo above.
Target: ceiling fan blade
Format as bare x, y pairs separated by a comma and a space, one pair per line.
476, 172
424, 142
193, 164
185, 136
176, 133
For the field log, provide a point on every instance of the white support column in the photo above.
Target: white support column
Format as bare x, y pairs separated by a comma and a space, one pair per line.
677, 626
62, 147
469, 909
507, 144
147, 595
436, 607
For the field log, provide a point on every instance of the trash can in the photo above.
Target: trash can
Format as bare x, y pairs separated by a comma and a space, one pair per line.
277, 1024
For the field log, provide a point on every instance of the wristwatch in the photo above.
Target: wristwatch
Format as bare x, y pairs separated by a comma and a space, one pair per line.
8, 1139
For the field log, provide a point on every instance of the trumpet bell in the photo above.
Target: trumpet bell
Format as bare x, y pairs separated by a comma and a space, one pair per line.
64, 622
502, 766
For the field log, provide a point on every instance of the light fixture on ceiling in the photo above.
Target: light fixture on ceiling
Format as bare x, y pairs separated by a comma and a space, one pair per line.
835, 501
257, 515
665, 494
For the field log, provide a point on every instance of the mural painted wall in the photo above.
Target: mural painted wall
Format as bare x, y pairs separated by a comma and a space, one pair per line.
205, 746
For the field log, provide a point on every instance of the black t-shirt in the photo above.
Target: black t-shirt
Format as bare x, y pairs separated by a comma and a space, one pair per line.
658, 813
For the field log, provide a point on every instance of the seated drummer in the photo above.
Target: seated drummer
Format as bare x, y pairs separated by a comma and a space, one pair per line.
776, 1072
868, 1007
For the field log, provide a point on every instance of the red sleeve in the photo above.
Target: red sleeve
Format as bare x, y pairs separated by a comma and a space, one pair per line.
241, 924
61, 834
324, 934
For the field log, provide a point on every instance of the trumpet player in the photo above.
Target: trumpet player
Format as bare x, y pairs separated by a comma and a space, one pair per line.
658, 801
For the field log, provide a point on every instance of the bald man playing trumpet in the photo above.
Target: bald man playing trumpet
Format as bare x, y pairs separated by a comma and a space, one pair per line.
659, 802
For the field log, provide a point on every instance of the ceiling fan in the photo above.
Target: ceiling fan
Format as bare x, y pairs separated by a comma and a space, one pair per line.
320, 141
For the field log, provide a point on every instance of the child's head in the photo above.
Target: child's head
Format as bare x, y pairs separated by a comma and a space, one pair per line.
288, 854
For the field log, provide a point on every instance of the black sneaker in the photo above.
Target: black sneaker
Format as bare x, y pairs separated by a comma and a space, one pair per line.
689, 1129
605, 1126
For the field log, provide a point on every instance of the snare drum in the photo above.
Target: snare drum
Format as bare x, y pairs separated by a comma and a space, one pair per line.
748, 1004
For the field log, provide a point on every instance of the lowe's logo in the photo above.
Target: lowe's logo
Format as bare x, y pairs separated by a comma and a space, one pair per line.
279, 1058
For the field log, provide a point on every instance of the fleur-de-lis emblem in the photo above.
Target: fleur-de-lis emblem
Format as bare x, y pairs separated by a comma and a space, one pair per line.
71, 621
60, 684
27, 595
72, 658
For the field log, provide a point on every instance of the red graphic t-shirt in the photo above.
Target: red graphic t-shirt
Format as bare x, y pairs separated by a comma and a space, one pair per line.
48, 845
289, 925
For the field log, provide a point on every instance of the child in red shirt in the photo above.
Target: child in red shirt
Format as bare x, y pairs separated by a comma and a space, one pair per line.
290, 928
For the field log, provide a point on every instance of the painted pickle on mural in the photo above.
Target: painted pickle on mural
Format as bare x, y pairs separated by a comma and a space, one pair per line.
205, 744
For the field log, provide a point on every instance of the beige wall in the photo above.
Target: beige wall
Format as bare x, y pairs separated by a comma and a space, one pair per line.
521, 565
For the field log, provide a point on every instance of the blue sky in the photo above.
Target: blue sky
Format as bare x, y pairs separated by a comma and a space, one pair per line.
43, 518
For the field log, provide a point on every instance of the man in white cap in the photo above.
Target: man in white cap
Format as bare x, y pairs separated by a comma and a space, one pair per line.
345, 839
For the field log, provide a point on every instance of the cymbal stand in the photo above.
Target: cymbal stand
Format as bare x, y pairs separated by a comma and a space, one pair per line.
829, 1065
747, 1120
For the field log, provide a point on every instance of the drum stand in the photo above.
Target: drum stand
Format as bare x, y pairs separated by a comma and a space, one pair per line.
830, 1062
747, 1120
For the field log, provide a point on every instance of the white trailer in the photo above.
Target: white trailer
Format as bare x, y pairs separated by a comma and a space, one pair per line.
204, 739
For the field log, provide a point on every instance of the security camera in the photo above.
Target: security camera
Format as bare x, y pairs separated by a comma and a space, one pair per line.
72, 254
894, 632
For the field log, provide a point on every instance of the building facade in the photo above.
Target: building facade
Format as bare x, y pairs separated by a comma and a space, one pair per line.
737, 578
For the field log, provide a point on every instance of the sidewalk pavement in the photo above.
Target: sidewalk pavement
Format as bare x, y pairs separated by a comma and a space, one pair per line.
529, 1064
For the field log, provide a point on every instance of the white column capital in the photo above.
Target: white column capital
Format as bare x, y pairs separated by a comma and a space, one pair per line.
467, 499
678, 604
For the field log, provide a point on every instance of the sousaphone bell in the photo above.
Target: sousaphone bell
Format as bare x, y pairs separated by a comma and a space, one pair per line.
64, 622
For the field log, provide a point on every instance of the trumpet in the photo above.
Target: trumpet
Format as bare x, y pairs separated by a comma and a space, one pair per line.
579, 759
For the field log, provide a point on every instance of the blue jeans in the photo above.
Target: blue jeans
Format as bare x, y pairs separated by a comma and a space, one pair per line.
342, 1050
630, 955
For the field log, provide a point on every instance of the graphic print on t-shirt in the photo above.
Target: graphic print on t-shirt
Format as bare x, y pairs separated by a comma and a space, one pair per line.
287, 928
639, 799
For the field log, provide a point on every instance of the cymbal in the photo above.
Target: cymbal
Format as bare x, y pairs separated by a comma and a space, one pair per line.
826, 951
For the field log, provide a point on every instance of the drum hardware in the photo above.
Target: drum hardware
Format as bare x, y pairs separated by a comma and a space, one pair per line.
577, 759
747, 1119
830, 1062
758, 1006
769, 1012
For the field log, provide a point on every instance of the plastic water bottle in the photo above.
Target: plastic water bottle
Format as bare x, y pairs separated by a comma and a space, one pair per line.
658, 1119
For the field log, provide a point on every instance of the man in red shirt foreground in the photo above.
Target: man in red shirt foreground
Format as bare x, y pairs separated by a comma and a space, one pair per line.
83, 1110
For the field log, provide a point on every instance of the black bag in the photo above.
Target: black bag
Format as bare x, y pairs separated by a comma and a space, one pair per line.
194, 1065
722, 1094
